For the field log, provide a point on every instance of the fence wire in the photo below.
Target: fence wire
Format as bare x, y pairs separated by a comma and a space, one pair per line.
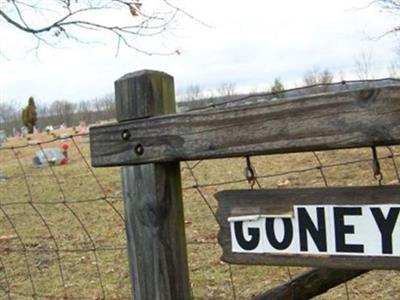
62, 232
61, 226
202, 179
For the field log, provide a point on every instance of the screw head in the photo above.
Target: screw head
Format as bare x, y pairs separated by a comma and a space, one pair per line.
139, 150
125, 135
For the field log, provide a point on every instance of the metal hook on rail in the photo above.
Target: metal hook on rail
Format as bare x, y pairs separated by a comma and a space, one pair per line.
376, 167
250, 172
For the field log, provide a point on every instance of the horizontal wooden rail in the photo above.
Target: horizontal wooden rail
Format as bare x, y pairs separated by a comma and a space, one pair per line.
347, 119
241, 99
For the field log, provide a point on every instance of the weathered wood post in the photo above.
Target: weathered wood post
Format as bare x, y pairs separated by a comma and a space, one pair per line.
152, 196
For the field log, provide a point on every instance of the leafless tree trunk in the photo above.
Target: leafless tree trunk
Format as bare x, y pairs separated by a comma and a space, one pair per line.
193, 92
63, 111
226, 89
9, 117
315, 76
364, 65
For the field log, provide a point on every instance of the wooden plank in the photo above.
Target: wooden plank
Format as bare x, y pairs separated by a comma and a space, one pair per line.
153, 199
346, 119
309, 284
244, 99
351, 254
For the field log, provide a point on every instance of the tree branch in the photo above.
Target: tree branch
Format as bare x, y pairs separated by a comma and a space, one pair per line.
89, 15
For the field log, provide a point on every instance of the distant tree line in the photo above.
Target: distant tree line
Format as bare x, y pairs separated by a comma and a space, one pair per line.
103, 108
59, 112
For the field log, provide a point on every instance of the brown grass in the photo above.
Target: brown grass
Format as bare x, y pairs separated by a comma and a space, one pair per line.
71, 228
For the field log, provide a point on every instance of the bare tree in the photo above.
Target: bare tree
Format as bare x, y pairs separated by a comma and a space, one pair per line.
364, 65
325, 77
104, 107
226, 89
79, 20
85, 112
315, 76
43, 112
109, 106
311, 77
393, 69
9, 117
6, 112
391, 6
62, 111
394, 65
193, 92
42, 109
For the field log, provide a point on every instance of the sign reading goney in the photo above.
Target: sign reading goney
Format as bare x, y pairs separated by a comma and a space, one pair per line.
356, 227
322, 230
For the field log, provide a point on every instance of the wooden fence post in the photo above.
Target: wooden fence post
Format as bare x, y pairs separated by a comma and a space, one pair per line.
152, 196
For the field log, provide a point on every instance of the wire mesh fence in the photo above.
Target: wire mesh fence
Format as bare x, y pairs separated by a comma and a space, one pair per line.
62, 232
202, 179
61, 226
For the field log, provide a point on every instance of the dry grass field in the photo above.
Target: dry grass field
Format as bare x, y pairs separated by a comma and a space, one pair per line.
62, 231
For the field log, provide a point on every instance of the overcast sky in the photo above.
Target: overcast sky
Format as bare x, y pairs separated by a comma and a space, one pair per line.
248, 43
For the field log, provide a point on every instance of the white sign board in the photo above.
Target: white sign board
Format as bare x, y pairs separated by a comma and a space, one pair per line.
348, 227
370, 230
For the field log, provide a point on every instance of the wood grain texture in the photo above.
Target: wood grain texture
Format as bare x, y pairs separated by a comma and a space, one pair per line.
337, 120
153, 199
155, 232
132, 88
267, 201
309, 284
263, 97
